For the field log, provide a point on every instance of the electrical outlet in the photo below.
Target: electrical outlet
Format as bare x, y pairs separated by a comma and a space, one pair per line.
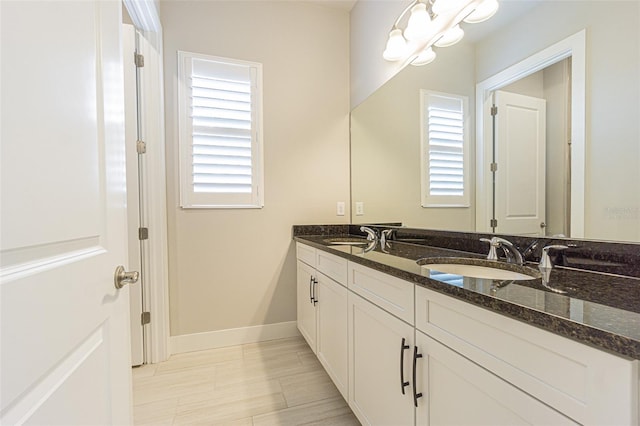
359, 208
340, 208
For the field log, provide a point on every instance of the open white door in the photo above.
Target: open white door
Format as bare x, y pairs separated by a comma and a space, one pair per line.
133, 194
520, 156
64, 325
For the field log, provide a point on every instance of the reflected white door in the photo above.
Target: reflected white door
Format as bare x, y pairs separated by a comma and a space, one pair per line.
520, 155
64, 326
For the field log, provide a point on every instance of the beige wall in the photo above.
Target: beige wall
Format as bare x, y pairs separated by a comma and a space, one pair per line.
236, 268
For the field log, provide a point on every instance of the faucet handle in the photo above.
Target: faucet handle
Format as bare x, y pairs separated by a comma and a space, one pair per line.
545, 261
492, 255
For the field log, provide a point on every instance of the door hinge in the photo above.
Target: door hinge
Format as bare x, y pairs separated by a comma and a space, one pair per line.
145, 318
493, 223
141, 147
139, 60
494, 110
494, 167
143, 233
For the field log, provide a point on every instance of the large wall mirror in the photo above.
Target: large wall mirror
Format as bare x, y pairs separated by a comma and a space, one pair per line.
387, 129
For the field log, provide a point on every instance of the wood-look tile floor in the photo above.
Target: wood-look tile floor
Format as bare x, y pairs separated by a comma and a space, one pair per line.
279, 382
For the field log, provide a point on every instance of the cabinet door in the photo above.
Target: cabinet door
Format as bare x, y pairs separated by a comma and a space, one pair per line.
332, 330
376, 356
456, 391
305, 306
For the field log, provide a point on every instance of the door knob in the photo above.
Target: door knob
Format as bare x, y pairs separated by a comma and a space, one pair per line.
122, 277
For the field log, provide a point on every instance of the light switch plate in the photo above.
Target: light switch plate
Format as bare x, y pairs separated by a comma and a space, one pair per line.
359, 208
340, 208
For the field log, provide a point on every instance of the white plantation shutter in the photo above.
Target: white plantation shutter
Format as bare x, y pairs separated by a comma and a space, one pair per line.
445, 147
220, 132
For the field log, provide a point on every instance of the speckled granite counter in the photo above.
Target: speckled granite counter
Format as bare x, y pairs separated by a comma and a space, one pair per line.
597, 309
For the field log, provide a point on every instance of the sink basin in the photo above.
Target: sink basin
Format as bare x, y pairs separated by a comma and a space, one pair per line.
480, 268
347, 241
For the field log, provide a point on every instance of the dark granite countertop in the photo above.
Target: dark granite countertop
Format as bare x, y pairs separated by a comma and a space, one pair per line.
597, 309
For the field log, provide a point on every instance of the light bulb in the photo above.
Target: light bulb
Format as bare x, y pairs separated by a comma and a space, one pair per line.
396, 46
445, 6
451, 37
484, 11
418, 24
425, 57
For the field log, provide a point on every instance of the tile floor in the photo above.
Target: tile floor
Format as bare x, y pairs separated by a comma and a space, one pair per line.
279, 382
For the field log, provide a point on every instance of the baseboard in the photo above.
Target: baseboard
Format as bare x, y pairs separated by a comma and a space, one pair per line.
232, 337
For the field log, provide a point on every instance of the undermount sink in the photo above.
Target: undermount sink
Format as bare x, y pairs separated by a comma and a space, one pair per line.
480, 268
347, 241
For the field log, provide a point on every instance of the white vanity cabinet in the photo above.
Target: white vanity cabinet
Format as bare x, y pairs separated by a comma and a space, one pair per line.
457, 391
381, 344
331, 346
549, 379
380, 350
306, 309
322, 310
373, 332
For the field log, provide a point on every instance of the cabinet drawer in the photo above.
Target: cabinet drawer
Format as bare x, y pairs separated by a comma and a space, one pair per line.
588, 385
390, 293
445, 378
332, 266
306, 254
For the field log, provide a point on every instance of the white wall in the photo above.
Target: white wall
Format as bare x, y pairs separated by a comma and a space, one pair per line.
236, 268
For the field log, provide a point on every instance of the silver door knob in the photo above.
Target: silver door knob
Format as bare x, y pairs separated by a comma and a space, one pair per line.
122, 277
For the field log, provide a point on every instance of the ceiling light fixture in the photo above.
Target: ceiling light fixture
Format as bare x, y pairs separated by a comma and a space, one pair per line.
433, 23
418, 25
451, 37
425, 57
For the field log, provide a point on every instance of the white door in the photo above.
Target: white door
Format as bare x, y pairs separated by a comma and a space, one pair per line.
64, 325
132, 130
520, 156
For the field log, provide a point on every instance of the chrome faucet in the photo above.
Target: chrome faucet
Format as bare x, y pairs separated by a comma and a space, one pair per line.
387, 235
546, 265
512, 254
371, 234
545, 260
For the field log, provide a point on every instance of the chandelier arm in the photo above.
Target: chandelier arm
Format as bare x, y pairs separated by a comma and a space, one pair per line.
404, 12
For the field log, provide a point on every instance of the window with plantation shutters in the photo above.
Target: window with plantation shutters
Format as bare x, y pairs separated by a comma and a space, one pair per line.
444, 150
220, 132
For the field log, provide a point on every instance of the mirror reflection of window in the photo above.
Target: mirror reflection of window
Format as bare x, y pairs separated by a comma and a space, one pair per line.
445, 150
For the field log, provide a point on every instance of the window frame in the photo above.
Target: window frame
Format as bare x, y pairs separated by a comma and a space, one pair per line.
443, 201
189, 199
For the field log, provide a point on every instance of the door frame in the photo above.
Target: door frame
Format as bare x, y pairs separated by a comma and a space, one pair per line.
575, 47
146, 20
